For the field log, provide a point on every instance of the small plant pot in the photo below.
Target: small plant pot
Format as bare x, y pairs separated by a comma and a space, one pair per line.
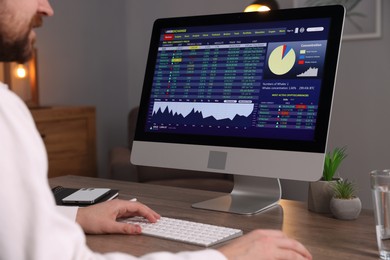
320, 194
345, 209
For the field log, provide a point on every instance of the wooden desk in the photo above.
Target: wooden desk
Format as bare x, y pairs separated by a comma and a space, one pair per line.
324, 236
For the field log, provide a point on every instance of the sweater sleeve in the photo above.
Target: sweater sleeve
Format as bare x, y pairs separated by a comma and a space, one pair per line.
69, 212
33, 227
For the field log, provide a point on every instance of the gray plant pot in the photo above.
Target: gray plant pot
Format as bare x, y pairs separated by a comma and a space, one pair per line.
320, 194
346, 209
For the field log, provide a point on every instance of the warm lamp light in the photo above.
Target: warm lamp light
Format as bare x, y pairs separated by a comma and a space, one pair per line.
262, 6
21, 71
256, 8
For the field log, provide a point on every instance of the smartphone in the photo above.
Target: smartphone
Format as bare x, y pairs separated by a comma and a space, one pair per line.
86, 196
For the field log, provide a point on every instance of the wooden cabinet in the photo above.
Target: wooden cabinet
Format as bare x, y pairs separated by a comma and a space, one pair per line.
69, 134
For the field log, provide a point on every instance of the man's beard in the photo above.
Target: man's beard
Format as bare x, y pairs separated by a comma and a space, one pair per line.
21, 49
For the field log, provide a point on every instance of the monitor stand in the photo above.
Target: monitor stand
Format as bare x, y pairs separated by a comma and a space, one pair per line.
250, 195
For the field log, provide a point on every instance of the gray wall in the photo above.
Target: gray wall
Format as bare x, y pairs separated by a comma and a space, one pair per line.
82, 54
93, 52
361, 110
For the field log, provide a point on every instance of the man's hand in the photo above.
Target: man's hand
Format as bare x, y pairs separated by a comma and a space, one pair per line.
265, 244
101, 218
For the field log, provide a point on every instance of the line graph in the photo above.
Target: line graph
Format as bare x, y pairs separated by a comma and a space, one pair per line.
217, 110
202, 113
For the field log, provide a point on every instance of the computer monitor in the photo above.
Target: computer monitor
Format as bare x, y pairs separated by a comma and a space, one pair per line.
248, 94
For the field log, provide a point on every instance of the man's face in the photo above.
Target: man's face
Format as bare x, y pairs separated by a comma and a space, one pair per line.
17, 20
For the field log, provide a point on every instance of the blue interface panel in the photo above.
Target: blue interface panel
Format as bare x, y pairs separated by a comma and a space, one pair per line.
255, 80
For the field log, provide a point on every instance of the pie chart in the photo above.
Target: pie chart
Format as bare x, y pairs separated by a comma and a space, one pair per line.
281, 60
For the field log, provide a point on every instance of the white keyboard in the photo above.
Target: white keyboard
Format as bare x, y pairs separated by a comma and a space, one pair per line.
185, 231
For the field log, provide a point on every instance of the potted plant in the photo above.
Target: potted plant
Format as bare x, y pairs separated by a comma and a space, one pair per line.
344, 204
321, 192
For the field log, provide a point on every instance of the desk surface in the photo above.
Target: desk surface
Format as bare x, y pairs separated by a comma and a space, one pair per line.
323, 235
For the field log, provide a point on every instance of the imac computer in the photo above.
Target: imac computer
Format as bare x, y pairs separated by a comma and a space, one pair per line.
247, 94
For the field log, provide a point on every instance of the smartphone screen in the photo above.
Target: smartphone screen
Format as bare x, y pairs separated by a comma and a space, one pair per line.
86, 196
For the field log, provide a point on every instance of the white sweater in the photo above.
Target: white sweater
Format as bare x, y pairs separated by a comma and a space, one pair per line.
31, 226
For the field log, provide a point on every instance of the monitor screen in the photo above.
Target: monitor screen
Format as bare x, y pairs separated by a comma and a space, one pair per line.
248, 94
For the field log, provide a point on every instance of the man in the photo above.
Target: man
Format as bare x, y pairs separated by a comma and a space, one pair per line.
32, 227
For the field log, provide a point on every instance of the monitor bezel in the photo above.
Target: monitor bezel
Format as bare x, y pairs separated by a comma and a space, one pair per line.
318, 145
